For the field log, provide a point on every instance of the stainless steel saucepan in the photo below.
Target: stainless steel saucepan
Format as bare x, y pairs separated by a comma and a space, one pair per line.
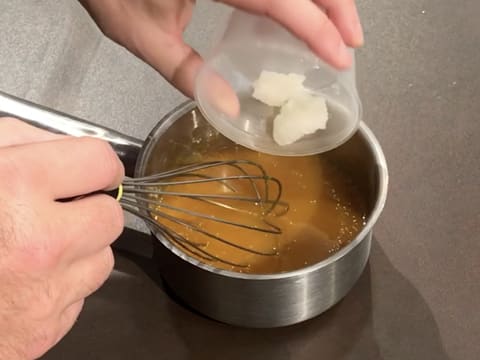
235, 298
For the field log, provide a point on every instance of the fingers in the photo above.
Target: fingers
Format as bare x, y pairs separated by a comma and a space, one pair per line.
344, 15
88, 275
67, 167
88, 225
16, 132
305, 19
308, 22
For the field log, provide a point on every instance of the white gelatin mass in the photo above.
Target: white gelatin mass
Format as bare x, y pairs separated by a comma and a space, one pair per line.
302, 113
275, 89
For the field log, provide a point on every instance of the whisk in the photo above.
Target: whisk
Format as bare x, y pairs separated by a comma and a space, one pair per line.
236, 188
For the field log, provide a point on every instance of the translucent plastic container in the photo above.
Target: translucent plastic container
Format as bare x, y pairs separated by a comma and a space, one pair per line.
224, 87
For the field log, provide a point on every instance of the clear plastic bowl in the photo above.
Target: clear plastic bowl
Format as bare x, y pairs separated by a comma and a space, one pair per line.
224, 87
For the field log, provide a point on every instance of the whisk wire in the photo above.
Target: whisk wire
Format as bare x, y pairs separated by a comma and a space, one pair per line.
147, 197
272, 229
198, 229
182, 242
135, 187
183, 171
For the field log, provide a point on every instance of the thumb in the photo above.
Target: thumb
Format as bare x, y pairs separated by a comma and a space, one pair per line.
177, 62
181, 65
184, 64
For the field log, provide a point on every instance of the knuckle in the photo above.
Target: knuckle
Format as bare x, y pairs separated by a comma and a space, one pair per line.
108, 261
69, 317
112, 213
106, 264
103, 266
111, 167
90, 285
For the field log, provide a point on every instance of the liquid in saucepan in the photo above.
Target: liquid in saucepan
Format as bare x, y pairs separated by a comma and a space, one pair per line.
325, 212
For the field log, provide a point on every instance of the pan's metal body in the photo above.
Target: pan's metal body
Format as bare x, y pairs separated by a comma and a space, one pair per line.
239, 299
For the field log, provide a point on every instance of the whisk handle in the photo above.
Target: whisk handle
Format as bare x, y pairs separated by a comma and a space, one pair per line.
126, 147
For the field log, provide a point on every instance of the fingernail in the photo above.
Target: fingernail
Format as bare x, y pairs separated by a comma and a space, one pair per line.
221, 95
358, 31
344, 55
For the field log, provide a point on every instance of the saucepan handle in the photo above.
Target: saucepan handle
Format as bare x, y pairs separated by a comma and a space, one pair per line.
127, 147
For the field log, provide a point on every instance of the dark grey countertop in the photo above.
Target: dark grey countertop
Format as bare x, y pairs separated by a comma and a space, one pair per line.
419, 79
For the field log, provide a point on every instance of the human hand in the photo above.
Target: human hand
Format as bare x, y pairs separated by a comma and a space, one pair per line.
153, 30
52, 254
